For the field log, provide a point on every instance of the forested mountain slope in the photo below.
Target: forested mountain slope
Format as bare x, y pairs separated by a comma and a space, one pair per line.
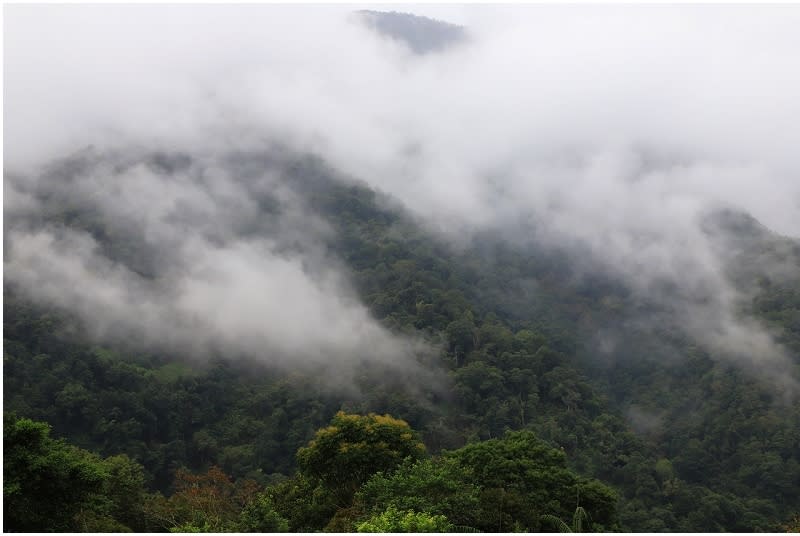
515, 341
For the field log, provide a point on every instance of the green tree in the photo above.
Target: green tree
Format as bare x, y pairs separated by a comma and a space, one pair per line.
461, 337
49, 485
125, 490
46, 482
303, 502
434, 486
260, 515
523, 479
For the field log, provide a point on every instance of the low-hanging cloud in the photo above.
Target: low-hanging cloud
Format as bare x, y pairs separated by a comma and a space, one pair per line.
614, 128
192, 259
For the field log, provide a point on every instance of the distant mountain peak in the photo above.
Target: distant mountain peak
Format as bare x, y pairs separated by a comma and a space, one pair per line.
422, 34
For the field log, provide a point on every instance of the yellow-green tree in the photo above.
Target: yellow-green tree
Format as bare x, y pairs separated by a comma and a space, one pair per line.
393, 520
345, 454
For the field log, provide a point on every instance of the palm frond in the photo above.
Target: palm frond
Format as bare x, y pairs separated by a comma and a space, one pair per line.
557, 522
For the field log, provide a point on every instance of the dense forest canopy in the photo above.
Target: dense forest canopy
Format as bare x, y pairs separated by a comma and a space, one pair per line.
339, 313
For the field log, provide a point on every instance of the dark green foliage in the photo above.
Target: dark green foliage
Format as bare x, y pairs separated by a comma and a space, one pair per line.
305, 504
125, 492
523, 479
50, 486
194, 416
46, 483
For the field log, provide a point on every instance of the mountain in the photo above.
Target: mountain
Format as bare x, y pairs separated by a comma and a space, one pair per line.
421, 34
496, 320
689, 441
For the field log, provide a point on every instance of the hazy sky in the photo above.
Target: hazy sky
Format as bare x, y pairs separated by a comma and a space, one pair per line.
614, 127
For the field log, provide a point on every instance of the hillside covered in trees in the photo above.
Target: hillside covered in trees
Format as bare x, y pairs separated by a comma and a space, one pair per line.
382, 273
721, 452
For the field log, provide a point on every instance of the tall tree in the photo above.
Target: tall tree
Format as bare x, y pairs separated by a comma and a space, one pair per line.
345, 454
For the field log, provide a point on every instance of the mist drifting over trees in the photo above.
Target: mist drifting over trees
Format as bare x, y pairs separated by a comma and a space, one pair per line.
576, 222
